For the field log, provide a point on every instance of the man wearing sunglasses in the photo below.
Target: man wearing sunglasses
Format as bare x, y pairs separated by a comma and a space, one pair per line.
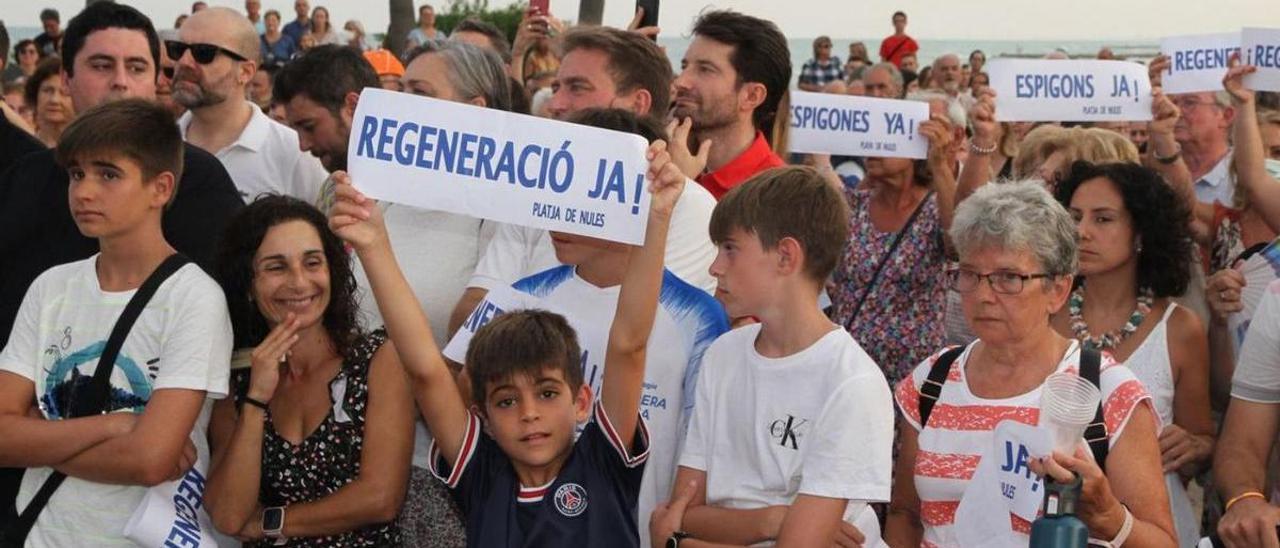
111, 53
216, 57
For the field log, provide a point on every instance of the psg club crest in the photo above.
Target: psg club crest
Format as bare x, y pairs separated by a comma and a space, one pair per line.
571, 500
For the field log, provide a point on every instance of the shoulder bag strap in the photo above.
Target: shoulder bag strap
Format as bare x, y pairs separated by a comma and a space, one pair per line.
93, 399
1096, 433
931, 390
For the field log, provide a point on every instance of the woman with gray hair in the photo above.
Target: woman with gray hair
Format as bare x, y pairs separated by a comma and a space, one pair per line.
1017, 249
458, 72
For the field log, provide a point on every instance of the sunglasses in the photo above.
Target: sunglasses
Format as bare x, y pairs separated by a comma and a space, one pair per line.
167, 72
202, 53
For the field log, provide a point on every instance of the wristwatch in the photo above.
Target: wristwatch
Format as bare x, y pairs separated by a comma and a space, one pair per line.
273, 522
674, 540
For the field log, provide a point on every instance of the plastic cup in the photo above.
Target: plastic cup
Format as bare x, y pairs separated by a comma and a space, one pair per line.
1068, 404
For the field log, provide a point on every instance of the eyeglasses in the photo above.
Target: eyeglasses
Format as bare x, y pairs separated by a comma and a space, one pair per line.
1004, 282
1188, 103
202, 53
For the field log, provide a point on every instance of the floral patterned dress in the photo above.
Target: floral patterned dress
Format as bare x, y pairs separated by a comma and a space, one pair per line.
329, 457
902, 321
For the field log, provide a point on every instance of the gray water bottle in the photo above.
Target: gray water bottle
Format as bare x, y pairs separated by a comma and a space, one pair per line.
1059, 527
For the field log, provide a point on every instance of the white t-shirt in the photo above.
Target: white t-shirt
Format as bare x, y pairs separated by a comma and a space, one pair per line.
517, 252
687, 321
182, 340
818, 422
1257, 375
265, 158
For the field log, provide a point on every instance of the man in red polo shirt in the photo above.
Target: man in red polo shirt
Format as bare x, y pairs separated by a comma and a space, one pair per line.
895, 47
731, 81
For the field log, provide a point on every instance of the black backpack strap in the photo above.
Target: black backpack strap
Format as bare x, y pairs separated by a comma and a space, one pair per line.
93, 399
1096, 433
931, 390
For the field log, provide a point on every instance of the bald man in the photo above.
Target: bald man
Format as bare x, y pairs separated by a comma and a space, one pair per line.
217, 55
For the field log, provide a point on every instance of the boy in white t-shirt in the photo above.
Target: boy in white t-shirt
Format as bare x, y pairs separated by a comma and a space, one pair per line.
124, 159
792, 428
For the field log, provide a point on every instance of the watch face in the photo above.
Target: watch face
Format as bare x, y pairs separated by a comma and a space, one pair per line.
272, 519
673, 542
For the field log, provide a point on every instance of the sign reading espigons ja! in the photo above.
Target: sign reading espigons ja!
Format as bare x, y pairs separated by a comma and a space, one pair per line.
1197, 63
498, 165
1054, 90
823, 123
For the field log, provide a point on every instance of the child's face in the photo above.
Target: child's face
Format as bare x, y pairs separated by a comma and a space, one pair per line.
533, 419
744, 271
579, 250
108, 196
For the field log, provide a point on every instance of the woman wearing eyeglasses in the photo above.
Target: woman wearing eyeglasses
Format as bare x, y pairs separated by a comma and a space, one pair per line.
1135, 256
1017, 257
25, 57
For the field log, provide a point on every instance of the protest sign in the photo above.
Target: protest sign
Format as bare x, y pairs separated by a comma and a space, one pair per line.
824, 123
1198, 62
1060, 90
1003, 484
498, 165
1261, 48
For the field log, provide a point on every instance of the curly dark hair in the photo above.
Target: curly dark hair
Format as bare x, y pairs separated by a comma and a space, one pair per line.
1161, 220
234, 271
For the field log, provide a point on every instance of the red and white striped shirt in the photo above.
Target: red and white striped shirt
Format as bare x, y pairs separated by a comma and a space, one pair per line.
961, 427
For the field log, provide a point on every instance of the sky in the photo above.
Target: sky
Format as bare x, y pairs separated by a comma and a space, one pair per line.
930, 19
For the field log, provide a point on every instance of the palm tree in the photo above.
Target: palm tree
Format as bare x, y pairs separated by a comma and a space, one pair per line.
402, 21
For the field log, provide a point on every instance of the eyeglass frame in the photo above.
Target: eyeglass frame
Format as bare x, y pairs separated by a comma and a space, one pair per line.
192, 47
953, 279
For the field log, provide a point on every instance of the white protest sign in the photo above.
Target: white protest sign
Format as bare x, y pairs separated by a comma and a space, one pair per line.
1261, 48
825, 123
1054, 90
1197, 62
1003, 484
498, 165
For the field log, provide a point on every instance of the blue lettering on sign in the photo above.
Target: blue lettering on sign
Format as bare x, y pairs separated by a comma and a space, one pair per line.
471, 155
188, 498
1200, 59
484, 312
1008, 490
1053, 86
546, 211
1266, 56
833, 119
1016, 461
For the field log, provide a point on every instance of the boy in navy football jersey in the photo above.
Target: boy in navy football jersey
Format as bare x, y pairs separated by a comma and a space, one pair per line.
512, 462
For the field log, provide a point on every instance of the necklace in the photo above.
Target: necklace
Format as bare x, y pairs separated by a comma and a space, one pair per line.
1113, 338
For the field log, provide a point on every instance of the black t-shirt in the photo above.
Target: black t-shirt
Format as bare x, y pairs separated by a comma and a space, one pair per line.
48, 45
37, 231
15, 143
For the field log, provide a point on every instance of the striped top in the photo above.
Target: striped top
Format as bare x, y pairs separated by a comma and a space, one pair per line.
961, 427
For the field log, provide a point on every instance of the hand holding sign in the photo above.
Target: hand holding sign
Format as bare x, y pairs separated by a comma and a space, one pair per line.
355, 218
1233, 81
982, 116
667, 182
938, 131
1156, 69
1164, 114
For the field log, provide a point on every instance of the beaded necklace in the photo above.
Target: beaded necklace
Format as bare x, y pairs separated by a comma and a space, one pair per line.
1113, 338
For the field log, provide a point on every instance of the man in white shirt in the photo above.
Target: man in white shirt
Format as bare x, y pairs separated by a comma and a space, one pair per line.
1202, 134
602, 68
216, 59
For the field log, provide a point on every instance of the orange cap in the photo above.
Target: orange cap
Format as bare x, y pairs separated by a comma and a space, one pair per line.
384, 62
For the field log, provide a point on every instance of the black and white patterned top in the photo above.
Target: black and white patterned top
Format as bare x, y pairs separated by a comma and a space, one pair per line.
327, 459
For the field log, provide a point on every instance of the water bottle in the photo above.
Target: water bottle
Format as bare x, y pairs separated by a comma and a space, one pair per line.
1059, 527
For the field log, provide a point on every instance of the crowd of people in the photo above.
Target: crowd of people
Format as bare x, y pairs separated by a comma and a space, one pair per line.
806, 350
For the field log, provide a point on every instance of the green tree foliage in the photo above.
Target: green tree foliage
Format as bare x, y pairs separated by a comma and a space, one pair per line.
505, 18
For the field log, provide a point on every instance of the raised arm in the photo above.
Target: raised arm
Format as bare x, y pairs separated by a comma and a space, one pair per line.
1250, 157
941, 161
358, 221
638, 300
986, 136
1164, 155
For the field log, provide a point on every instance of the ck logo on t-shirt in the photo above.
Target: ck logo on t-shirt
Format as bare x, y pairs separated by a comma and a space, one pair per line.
787, 431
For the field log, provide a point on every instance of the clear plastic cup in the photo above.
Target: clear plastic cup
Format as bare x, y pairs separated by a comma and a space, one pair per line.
1068, 404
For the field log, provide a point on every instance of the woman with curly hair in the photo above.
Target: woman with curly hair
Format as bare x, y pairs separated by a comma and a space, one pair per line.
314, 448
1134, 251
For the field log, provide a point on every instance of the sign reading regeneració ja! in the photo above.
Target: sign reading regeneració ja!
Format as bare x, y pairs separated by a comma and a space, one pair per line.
1197, 63
824, 123
1054, 90
1261, 48
498, 165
